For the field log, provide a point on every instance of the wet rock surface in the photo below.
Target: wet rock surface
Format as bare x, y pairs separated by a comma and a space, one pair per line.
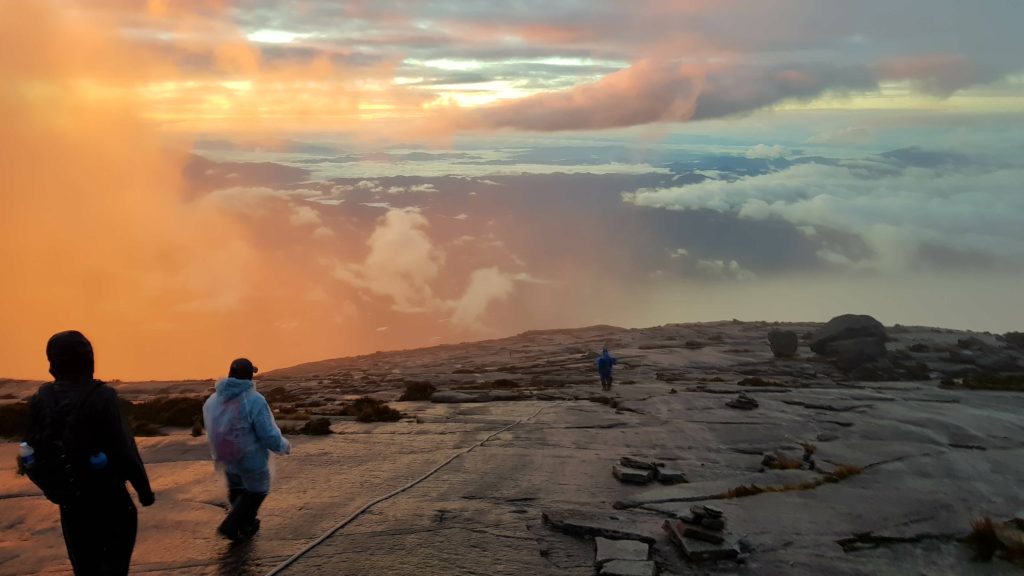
909, 462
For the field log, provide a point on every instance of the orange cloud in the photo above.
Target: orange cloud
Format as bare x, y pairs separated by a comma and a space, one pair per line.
97, 235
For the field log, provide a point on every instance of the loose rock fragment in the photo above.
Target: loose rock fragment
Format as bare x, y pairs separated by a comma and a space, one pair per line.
633, 475
743, 402
698, 550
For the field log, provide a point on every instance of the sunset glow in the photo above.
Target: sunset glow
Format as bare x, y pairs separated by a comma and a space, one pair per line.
190, 181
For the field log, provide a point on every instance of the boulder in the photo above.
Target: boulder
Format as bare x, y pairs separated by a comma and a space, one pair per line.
783, 343
846, 327
1014, 339
855, 352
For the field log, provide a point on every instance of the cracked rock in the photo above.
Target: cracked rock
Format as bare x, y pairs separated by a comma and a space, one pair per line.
629, 568
583, 524
609, 550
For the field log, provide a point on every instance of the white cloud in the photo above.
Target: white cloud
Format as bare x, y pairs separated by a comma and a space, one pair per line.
304, 216
251, 201
897, 211
486, 285
679, 253
720, 269
402, 262
423, 189
765, 152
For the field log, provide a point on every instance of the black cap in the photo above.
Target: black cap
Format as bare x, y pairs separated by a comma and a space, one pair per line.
70, 356
242, 369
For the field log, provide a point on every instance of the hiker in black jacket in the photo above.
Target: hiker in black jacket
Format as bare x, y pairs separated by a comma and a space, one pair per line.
79, 418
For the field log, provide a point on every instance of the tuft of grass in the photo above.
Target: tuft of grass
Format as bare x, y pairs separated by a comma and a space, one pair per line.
779, 461
417, 391
809, 449
742, 491
984, 539
842, 472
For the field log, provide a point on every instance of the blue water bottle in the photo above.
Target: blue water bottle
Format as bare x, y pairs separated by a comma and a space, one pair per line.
27, 455
98, 461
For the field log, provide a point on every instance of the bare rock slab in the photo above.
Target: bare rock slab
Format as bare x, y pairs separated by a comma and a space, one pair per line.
608, 550
453, 397
629, 568
633, 475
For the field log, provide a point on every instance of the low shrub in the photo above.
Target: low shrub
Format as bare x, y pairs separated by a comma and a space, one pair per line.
417, 391
368, 409
178, 411
14, 420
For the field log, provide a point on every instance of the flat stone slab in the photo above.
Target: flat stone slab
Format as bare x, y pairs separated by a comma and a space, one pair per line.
633, 475
629, 568
608, 550
582, 524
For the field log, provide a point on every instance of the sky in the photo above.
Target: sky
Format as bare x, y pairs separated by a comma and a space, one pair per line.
195, 180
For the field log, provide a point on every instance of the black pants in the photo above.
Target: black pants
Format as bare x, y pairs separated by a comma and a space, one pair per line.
100, 534
245, 506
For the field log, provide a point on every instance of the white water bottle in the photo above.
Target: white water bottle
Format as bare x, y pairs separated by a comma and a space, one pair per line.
27, 455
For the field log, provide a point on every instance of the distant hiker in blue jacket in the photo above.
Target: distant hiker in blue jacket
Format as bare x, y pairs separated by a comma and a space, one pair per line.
604, 368
242, 432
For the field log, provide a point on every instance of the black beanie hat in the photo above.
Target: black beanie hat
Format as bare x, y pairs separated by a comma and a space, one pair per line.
242, 369
70, 356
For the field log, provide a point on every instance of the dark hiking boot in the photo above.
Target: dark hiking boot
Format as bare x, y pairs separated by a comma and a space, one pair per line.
234, 536
250, 530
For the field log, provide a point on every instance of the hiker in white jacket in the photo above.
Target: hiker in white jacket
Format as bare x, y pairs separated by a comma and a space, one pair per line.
242, 433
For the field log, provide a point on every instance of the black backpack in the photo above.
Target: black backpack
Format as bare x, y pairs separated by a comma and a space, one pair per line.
60, 447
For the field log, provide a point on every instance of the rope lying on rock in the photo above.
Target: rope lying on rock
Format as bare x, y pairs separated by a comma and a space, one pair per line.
284, 565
